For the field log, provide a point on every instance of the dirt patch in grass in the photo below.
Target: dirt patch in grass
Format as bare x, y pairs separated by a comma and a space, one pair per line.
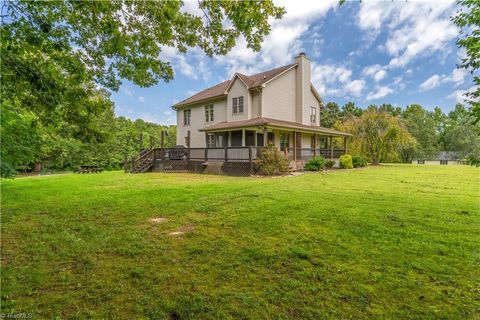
158, 220
182, 230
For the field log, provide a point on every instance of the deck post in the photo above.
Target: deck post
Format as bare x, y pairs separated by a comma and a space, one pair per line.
345, 145
331, 147
250, 153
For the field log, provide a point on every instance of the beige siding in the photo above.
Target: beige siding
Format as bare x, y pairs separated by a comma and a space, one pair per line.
312, 102
198, 122
279, 97
239, 89
255, 104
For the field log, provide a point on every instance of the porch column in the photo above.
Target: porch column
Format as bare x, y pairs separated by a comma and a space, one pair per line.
345, 144
229, 142
295, 146
331, 147
265, 135
243, 137
314, 145
255, 137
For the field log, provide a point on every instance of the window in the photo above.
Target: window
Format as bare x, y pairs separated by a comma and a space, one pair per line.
284, 141
187, 115
237, 105
421, 161
210, 140
209, 113
313, 115
443, 161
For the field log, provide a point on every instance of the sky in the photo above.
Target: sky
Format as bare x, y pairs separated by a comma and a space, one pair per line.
371, 52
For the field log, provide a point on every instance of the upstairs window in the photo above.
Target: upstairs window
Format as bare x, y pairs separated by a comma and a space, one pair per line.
209, 113
237, 105
313, 115
187, 115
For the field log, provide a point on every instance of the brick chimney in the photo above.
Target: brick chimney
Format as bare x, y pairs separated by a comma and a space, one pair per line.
302, 85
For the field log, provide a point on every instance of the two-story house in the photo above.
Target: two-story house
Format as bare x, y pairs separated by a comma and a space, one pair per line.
279, 106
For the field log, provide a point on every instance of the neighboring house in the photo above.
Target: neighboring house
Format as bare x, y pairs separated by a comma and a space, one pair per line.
279, 107
443, 158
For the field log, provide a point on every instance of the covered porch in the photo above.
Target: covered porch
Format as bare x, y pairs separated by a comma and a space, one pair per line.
299, 142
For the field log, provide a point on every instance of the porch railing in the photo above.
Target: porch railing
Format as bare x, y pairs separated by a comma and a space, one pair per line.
240, 153
310, 153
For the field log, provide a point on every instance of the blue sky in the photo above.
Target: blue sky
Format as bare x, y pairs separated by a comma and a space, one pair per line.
370, 53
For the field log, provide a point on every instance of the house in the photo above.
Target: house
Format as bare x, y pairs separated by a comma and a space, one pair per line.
443, 158
279, 106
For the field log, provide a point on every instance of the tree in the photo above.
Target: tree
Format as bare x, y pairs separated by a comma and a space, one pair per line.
329, 114
460, 134
350, 110
468, 20
422, 126
124, 39
378, 135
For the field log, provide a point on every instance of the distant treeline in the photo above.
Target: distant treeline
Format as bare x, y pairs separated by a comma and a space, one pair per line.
394, 134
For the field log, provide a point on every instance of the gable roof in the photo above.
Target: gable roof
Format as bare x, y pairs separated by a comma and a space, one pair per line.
221, 89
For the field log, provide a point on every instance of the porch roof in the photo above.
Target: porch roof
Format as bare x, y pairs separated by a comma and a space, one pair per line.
273, 123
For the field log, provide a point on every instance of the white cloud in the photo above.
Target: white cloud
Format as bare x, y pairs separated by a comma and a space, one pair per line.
459, 95
284, 41
376, 71
141, 99
335, 80
193, 64
127, 91
355, 87
457, 77
413, 28
380, 93
380, 75
430, 83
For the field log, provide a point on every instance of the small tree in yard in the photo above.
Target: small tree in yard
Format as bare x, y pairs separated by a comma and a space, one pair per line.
272, 162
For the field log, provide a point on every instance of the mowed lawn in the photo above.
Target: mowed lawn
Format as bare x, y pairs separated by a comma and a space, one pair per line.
389, 242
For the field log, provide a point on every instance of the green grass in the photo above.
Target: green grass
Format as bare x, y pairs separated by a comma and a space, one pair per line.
390, 242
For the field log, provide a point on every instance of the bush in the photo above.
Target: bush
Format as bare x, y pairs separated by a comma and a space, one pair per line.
272, 161
346, 161
315, 164
359, 161
329, 164
7, 170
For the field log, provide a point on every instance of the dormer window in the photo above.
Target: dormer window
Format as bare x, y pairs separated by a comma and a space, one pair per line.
237, 105
313, 115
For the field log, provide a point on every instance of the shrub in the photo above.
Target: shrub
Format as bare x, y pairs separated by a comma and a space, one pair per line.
315, 164
329, 164
359, 161
346, 161
7, 170
272, 161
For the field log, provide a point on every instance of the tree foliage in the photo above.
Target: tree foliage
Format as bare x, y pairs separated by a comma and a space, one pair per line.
468, 20
378, 135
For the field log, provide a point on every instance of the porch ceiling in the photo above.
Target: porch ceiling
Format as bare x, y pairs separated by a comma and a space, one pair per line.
274, 124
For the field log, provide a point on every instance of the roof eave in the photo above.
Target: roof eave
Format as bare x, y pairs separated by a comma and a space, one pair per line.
181, 105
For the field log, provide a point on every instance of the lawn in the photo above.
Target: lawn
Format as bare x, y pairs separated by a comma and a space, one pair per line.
390, 242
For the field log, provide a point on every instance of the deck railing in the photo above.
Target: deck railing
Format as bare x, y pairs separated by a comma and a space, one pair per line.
240, 153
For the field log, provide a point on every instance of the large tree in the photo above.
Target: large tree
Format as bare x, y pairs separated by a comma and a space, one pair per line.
378, 135
56, 54
329, 114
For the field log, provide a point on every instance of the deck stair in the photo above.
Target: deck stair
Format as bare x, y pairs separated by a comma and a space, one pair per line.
144, 162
